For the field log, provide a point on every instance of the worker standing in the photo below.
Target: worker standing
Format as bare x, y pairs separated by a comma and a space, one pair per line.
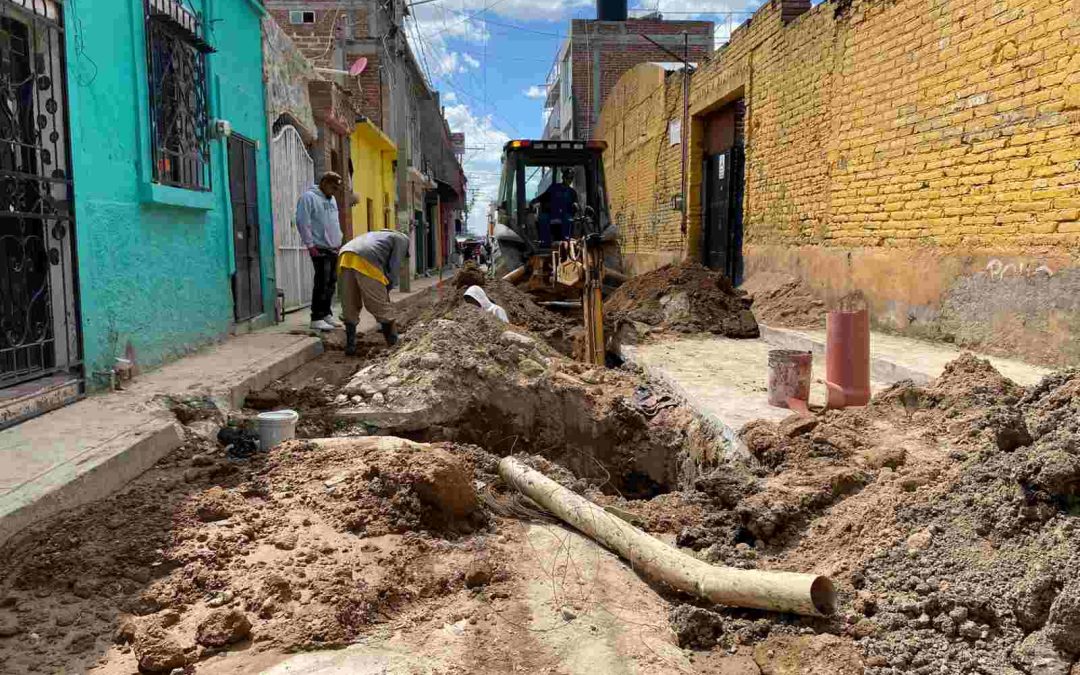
320, 231
369, 268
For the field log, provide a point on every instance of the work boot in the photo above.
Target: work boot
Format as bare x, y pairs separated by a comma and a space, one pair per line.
350, 339
389, 332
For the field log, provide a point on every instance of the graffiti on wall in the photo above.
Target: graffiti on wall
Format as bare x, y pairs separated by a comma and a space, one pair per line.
998, 270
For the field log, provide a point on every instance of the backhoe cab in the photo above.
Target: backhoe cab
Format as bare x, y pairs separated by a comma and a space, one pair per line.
539, 179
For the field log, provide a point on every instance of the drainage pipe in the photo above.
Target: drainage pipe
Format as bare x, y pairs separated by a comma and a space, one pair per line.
806, 594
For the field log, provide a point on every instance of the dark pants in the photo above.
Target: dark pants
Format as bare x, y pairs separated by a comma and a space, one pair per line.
322, 294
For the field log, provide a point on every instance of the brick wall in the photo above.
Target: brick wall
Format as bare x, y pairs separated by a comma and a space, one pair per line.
617, 46
923, 152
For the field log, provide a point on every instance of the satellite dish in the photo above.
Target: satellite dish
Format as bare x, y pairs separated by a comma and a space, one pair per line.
358, 66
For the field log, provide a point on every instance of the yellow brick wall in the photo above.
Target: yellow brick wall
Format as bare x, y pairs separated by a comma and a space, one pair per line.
948, 127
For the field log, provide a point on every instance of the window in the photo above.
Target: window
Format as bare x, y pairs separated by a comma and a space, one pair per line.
298, 17
179, 114
370, 215
386, 211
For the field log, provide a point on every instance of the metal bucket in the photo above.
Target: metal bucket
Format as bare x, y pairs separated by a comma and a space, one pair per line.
789, 376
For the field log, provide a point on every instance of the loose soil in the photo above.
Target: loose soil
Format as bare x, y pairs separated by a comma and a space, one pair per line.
946, 514
784, 301
684, 298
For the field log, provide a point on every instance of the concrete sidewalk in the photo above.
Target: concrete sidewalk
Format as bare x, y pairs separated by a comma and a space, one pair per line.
86, 451
725, 381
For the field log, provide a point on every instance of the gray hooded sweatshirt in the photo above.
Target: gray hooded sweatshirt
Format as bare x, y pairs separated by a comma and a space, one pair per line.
385, 249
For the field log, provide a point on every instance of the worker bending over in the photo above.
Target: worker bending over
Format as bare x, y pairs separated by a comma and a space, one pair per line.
368, 269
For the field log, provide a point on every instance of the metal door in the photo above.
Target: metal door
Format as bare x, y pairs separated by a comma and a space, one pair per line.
723, 192
292, 172
39, 324
244, 194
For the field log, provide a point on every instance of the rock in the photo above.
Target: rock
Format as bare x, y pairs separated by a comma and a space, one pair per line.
221, 599
202, 459
65, 616
430, 361
696, 628
9, 626
1063, 624
80, 641
168, 618
286, 541
368, 390
568, 614
970, 630
1037, 655
797, 425
223, 627
158, 652
378, 399
891, 457
865, 603
1034, 596
391, 382
478, 574
513, 339
357, 399
213, 505
920, 540
125, 630
267, 399
530, 368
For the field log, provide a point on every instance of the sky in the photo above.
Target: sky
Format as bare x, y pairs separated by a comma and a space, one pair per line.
489, 59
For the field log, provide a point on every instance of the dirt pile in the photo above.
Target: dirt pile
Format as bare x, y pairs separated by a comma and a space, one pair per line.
519, 305
685, 298
472, 379
307, 547
784, 301
946, 513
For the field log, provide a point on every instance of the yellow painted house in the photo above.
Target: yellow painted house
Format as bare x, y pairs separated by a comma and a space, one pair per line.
373, 157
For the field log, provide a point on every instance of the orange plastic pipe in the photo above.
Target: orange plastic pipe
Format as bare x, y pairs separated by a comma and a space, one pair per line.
847, 358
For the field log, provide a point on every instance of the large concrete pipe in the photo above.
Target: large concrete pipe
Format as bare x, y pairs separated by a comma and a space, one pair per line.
806, 594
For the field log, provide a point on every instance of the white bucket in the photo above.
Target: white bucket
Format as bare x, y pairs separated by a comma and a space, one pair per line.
276, 427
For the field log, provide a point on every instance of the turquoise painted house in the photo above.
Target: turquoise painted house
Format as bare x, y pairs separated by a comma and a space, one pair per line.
171, 175
135, 209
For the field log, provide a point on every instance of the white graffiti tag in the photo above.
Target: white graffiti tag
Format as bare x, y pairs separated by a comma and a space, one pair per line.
998, 270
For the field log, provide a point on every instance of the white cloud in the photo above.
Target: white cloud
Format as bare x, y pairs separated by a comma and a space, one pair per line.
536, 91
449, 97
469, 60
483, 159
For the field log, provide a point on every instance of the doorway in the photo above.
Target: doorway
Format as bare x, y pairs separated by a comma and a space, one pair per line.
722, 191
40, 346
244, 195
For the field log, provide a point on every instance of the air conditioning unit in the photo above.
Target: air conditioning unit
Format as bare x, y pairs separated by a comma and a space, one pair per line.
300, 17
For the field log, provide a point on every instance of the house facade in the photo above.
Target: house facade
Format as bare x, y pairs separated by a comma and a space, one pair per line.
137, 226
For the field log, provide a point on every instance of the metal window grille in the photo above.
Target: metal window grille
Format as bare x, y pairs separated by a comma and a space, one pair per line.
38, 304
179, 110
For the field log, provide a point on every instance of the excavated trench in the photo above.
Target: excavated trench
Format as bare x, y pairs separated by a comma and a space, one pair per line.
617, 432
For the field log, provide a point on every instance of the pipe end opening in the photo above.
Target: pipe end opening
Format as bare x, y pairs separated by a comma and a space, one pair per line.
823, 595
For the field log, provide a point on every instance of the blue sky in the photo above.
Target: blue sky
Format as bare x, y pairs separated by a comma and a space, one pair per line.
490, 58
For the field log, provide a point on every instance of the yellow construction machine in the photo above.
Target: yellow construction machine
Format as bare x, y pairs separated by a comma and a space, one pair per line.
553, 237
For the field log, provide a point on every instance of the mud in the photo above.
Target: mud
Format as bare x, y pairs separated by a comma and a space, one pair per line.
684, 298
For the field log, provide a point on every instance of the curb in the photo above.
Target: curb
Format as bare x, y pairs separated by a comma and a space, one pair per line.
98, 473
